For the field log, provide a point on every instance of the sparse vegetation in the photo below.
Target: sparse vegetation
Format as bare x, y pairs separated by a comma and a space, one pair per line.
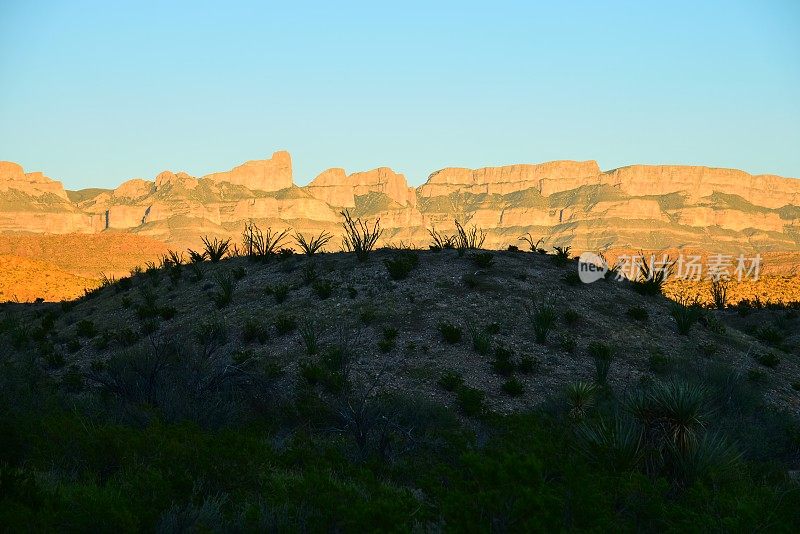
214, 250
603, 355
359, 237
686, 314
450, 332
638, 313
401, 265
450, 381
313, 244
468, 239
651, 275
113, 418
542, 317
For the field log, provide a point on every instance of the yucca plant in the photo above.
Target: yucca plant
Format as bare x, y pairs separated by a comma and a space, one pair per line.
686, 313
215, 250
581, 397
673, 412
618, 443
226, 283
359, 237
710, 453
562, 255
535, 246
481, 340
310, 335
649, 279
196, 257
603, 355
313, 244
542, 317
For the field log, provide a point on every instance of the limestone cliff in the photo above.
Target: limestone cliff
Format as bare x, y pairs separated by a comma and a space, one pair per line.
566, 202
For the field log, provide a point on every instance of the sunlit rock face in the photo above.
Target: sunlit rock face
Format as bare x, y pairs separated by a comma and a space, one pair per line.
565, 202
271, 174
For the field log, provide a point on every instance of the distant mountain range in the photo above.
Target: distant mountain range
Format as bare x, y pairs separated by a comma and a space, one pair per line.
566, 202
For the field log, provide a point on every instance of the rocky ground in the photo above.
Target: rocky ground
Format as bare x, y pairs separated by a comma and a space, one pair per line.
278, 312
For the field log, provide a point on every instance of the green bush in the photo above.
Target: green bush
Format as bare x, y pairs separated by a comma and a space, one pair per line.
638, 313
401, 265
450, 381
470, 400
450, 332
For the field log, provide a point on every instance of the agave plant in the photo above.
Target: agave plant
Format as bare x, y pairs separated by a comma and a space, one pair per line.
711, 452
580, 398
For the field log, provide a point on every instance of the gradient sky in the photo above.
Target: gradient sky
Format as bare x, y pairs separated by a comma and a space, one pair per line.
94, 93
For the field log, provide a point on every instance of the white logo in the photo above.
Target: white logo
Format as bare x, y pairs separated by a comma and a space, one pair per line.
591, 267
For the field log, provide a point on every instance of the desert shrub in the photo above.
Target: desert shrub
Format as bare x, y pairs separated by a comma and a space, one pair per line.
149, 326
567, 343
481, 339
660, 363
450, 381
450, 332
650, 280
309, 332
768, 359
638, 313
225, 287
468, 239
581, 397
213, 250
769, 334
238, 272
314, 244
309, 273
322, 288
74, 345
359, 237
257, 244
211, 333
561, 256
483, 260
602, 354
441, 241
719, 293
285, 323
254, 330
686, 314
280, 292
572, 278
513, 387
196, 257
386, 345
571, 317
367, 315
86, 328
126, 337
102, 340
502, 363
542, 318
196, 272
401, 265
535, 246
470, 399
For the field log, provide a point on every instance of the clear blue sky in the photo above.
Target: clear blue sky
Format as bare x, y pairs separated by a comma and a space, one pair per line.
94, 93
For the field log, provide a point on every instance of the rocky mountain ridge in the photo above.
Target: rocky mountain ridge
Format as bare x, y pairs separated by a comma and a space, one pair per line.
566, 202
